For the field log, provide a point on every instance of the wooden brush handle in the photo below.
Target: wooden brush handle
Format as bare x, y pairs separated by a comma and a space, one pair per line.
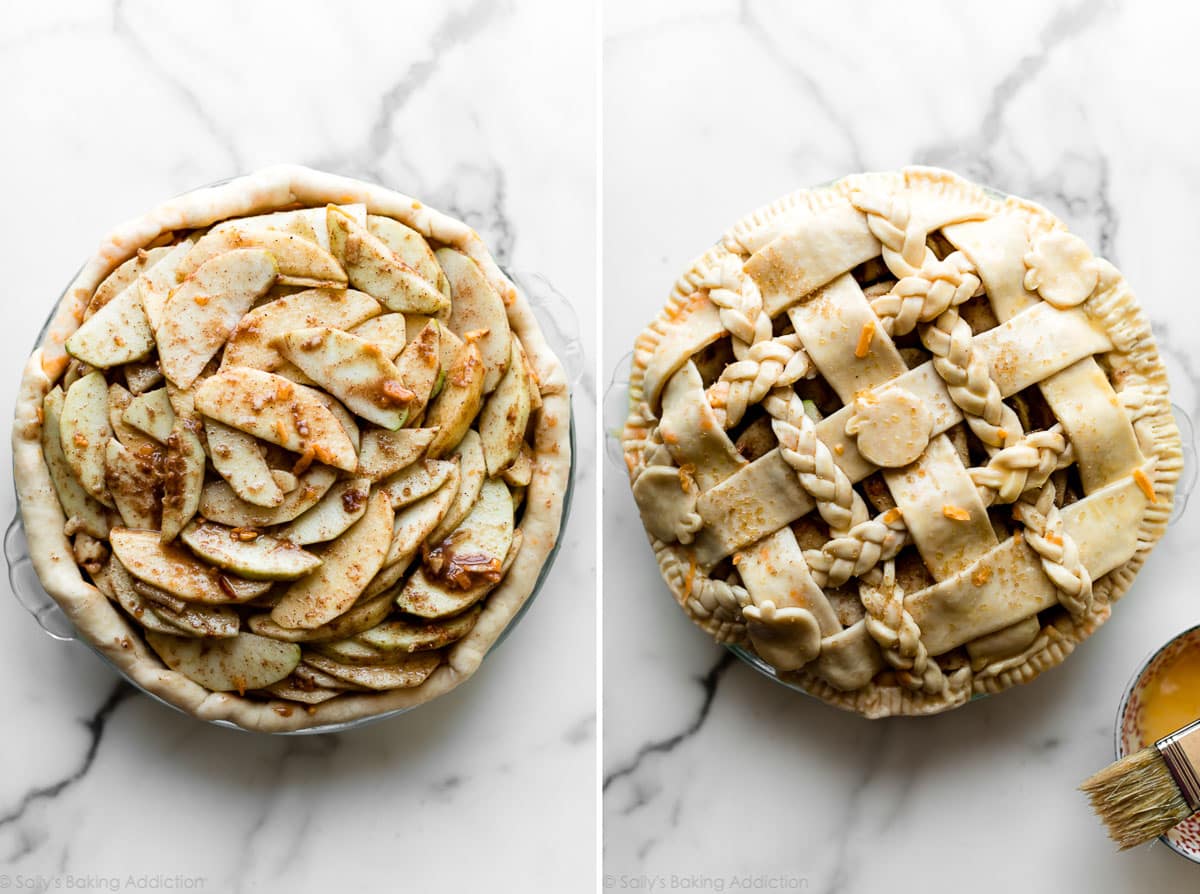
1181, 752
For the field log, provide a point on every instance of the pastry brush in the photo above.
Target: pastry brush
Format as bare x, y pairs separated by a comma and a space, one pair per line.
1143, 795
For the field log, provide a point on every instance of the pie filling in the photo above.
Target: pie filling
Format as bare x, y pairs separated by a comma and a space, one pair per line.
904, 440
293, 450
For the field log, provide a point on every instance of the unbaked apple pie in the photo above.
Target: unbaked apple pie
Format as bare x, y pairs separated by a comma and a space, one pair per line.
904, 439
293, 451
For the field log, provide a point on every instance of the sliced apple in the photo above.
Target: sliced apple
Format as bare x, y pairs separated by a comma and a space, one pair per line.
183, 479
307, 675
472, 470
248, 554
117, 333
412, 671
84, 431
244, 591
349, 564
203, 310
415, 523
504, 417
411, 247
117, 281
119, 400
278, 411
520, 473
172, 568
384, 453
452, 412
151, 414
398, 637
206, 621
83, 512
417, 481
142, 375
345, 504
123, 591
309, 223
464, 567
477, 308
219, 502
236, 664
238, 459
386, 332
419, 364
156, 284
377, 270
253, 342
135, 482
365, 613
353, 370
297, 257
291, 690
350, 651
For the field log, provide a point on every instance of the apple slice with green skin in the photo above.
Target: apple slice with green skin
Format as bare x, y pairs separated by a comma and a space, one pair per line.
416, 522
172, 568
117, 333
386, 332
142, 375
219, 502
417, 481
398, 637
365, 613
263, 558
236, 664
84, 432
520, 473
419, 364
344, 416
183, 479
238, 459
202, 312
384, 453
290, 691
410, 247
253, 342
353, 370
412, 671
464, 567
151, 413
156, 283
243, 591
477, 308
453, 410
309, 223
345, 504
349, 564
472, 470
124, 276
135, 483
350, 651
504, 417
82, 511
204, 621
377, 270
132, 601
277, 411
297, 257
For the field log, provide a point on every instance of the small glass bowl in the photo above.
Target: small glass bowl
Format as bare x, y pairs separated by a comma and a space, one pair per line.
1184, 839
560, 327
616, 409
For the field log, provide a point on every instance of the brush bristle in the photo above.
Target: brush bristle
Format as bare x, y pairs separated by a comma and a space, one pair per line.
1137, 798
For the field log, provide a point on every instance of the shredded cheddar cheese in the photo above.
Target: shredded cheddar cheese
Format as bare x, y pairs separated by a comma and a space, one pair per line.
956, 513
863, 348
1140, 479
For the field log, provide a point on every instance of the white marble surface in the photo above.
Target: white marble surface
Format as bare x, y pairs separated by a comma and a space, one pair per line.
483, 109
716, 108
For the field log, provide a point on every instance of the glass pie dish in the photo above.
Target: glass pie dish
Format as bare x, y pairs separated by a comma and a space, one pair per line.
276, 191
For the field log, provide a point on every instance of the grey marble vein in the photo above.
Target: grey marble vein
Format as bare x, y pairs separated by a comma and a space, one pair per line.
125, 30
856, 806
709, 684
96, 726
